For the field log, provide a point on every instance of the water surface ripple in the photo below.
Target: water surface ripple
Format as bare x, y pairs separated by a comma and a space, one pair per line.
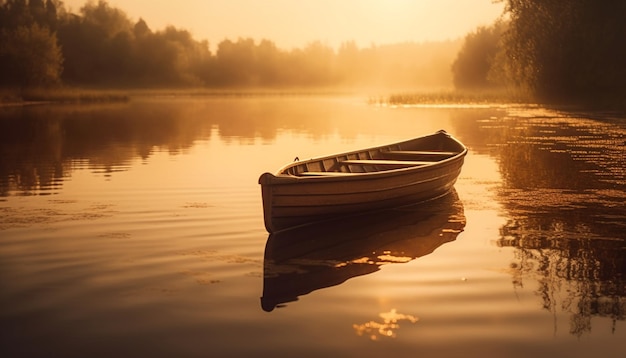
136, 229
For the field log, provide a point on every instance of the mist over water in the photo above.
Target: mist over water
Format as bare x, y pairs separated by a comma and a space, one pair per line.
137, 229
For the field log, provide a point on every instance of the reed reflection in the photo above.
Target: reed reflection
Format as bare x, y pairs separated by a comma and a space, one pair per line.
563, 193
301, 260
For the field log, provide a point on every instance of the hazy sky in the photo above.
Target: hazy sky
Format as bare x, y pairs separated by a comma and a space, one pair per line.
294, 23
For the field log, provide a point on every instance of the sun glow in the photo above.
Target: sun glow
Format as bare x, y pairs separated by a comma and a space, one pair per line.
296, 23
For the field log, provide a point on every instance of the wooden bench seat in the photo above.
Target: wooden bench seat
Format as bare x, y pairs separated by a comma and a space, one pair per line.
420, 153
407, 163
314, 174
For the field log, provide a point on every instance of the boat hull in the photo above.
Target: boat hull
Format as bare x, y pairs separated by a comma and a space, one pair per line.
292, 200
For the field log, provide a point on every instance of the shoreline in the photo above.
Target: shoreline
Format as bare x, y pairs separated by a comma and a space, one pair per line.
382, 96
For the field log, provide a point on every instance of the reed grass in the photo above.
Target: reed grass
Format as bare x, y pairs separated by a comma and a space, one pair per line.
615, 102
455, 97
61, 95
81, 95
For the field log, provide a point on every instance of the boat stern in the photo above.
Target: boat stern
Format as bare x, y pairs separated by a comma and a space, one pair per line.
266, 180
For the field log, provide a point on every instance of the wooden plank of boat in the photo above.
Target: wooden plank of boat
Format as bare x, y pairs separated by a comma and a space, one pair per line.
420, 152
328, 173
406, 163
418, 155
360, 181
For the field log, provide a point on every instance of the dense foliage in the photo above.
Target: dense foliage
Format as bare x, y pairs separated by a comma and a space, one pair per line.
43, 44
568, 49
29, 51
553, 50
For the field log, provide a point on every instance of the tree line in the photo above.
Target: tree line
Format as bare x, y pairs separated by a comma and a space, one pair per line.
44, 44
552, 50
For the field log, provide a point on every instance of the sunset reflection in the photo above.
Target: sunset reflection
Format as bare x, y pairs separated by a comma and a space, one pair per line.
375, 330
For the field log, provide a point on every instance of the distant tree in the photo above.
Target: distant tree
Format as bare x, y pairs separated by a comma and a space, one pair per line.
51, 15
37, 9
94, 44
141, 28
81, 49
107, 19
317, 65
475, 60
235, 62
119, 57
202, 63
190, 55
15, 13
269, 61
153, 60
29, 52
29, 56
348, 62
170, 57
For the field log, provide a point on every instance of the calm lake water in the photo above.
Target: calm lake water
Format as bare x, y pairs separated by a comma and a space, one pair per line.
136, 229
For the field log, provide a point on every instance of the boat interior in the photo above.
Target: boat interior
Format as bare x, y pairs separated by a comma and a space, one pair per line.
367, 161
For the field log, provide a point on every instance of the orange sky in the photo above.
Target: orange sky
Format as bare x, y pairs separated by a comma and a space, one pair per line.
294, 23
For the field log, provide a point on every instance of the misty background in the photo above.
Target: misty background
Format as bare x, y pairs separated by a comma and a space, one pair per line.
547, 50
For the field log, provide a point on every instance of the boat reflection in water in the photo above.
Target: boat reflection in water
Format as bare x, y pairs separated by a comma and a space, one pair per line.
304, 259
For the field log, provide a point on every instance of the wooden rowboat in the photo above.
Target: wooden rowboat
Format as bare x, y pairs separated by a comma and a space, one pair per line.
376, 178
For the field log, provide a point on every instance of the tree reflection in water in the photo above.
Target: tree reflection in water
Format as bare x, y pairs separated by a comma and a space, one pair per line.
41, 145
577, 273
563, 191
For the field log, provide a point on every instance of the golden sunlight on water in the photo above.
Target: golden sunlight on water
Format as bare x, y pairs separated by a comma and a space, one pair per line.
387, 328
137, 229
